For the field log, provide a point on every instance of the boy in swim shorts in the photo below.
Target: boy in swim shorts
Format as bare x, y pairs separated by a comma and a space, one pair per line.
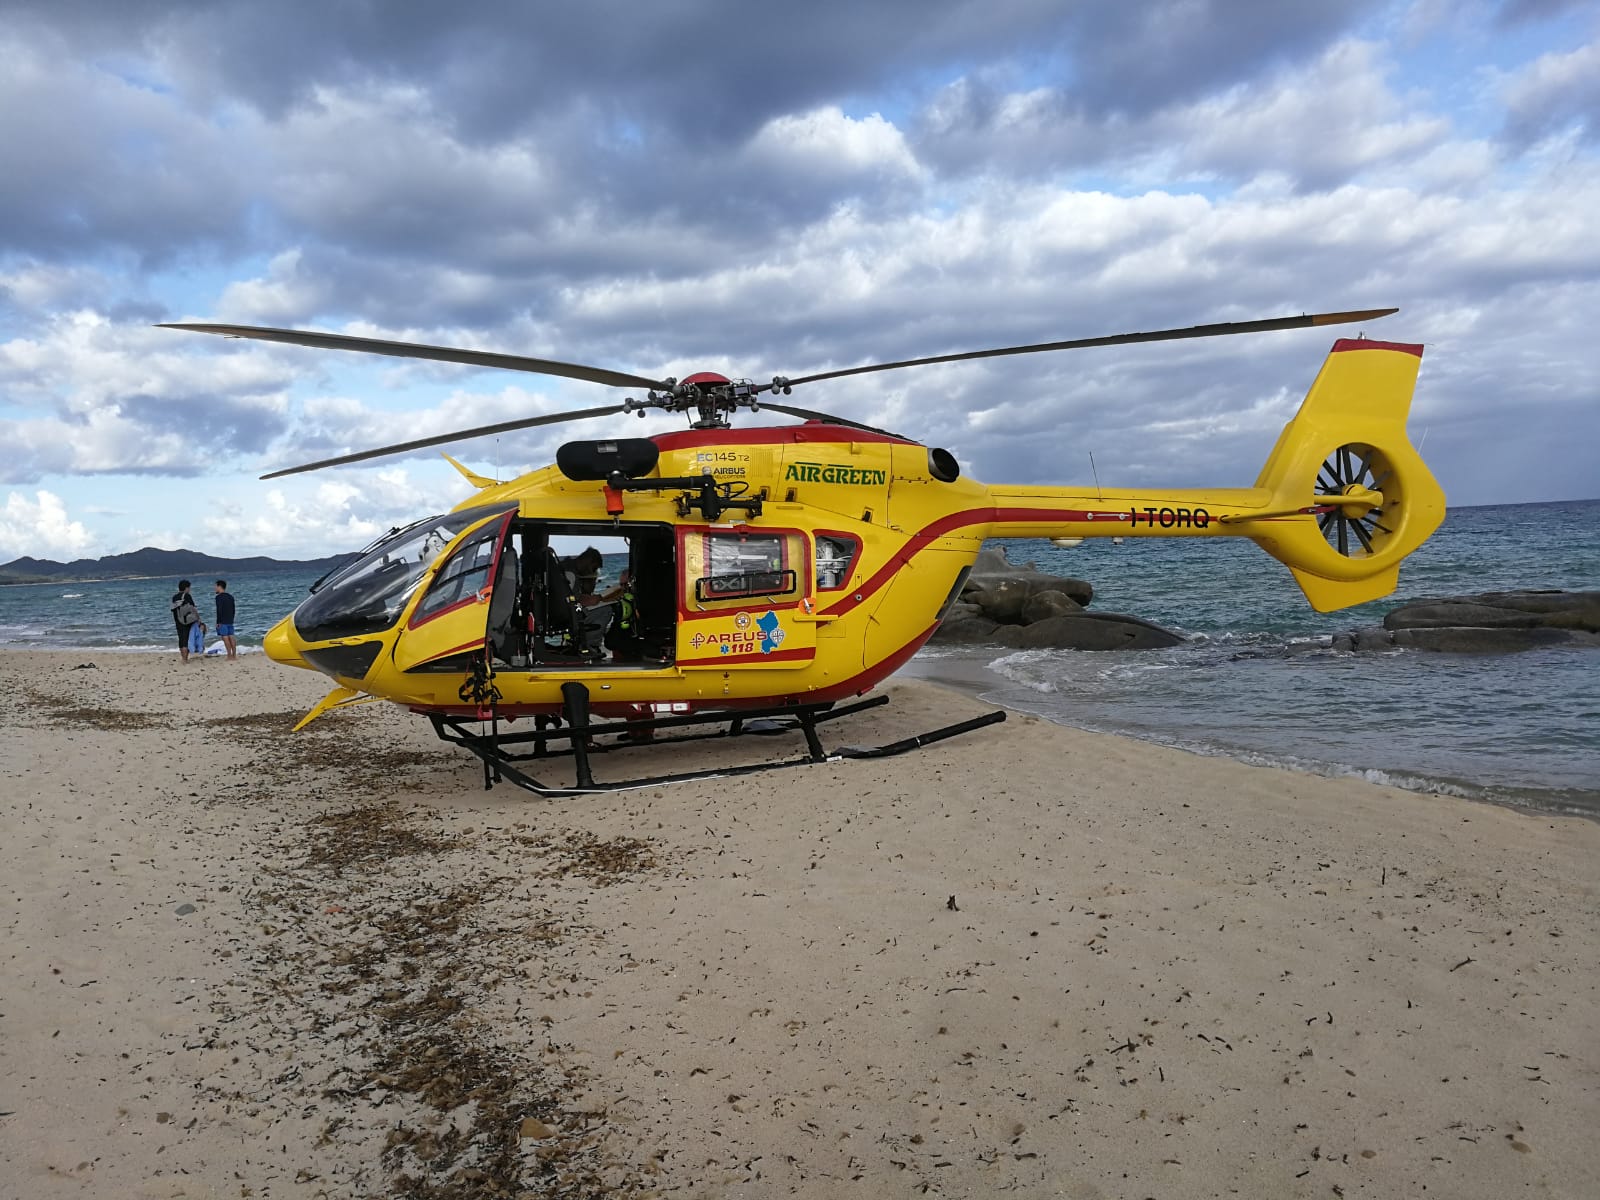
225, 612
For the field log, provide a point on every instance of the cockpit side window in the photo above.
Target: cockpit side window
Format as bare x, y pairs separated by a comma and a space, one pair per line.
369, 595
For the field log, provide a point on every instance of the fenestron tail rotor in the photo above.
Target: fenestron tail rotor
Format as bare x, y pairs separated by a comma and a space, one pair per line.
1351, 483
1347, 497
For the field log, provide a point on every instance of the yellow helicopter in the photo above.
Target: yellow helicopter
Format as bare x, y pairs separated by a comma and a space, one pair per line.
774, 575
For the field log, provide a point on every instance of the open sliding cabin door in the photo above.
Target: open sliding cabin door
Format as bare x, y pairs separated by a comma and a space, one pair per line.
474, 582
745, 598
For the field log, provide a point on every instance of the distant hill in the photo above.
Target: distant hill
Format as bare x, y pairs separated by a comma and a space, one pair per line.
152, 563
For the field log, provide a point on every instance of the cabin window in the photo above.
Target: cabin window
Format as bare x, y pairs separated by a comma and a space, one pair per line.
748, 566
836, 554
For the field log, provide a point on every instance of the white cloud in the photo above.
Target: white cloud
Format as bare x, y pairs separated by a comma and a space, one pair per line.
285, 294
126, 397
316, 516
1325, 124
40, 287
40, 528
1556, 91
826, 141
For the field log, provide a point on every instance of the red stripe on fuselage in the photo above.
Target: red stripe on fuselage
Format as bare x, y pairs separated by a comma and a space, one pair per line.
951, 521
805, 654
474, 645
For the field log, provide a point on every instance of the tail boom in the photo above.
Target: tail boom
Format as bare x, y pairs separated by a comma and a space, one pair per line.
1341, 500
1031, 512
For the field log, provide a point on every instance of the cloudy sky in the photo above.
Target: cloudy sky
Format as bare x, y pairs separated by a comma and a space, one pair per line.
764, 189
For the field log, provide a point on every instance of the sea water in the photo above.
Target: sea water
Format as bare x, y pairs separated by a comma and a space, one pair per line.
135, 614
1256, 680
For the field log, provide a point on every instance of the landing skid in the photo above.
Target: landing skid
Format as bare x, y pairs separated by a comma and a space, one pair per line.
501, 750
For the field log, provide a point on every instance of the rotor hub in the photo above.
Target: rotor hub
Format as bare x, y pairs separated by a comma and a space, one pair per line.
711, 397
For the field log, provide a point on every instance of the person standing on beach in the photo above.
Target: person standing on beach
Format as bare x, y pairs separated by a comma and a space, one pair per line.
225, 618
186, 616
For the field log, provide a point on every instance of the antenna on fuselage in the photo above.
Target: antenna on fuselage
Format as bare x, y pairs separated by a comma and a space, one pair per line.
1096, 474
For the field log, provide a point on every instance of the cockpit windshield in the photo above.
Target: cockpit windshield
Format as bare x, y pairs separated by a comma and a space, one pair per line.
369, 594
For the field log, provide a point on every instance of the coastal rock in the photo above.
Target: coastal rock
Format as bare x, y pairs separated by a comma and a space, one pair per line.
1458, 613
993, 572
1372, 638
1024, 608
1501, 610
992, 560
1022, 584
1296, 648
967, 630
1547, 601
1087, 631
1484, 623
1041, 606
1466, 640
1000, 604
1073, 629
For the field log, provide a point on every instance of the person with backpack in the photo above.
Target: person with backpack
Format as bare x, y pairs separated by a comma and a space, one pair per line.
186, 616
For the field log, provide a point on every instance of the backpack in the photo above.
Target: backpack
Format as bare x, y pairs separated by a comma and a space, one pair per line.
188, 614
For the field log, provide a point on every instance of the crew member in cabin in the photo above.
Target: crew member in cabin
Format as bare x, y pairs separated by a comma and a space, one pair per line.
583, 572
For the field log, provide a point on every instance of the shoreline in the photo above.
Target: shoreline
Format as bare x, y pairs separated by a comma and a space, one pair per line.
965, 675
1033, 959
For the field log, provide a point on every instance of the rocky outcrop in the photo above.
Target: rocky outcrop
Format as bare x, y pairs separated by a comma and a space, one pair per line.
1041, 606
1501, 610
1022, 607
1087, 631
1485, 623
968, 630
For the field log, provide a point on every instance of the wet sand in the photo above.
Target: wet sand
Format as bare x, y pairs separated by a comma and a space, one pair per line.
240, 962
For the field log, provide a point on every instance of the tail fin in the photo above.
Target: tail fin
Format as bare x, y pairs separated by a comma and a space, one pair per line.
1350, 495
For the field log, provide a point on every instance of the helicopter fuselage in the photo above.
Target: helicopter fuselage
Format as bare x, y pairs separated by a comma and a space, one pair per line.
801, 564
758, 570
861, 544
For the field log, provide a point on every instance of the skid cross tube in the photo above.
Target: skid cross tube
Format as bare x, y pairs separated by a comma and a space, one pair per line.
496, 748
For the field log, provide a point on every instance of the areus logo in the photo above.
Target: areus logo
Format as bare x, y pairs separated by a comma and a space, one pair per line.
812, 472
766, 637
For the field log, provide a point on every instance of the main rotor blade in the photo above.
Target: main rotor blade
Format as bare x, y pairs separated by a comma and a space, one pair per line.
829, 418
471, 358
1160, 335
457, 436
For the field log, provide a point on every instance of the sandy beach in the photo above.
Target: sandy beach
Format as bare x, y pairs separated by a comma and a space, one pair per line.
244, 963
